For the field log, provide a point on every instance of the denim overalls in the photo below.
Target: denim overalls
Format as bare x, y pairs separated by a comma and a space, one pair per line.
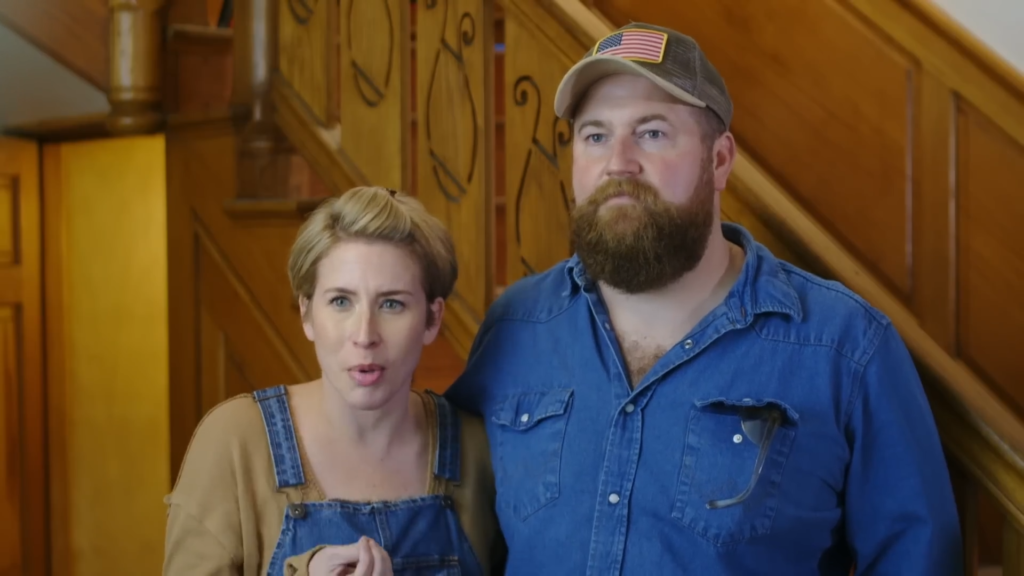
422, 534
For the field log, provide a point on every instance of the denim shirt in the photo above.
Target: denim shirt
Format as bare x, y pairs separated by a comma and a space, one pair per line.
597, 477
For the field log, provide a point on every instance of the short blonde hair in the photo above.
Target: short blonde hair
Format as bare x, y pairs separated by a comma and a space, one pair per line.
372, 213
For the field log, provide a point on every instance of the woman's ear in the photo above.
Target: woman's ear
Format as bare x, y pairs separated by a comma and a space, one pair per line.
435, 315
307, 321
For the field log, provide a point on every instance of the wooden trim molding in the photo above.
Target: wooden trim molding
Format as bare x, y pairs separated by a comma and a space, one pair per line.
63, 129
951, 62
979, 52
57, 352
270, 209
320, 146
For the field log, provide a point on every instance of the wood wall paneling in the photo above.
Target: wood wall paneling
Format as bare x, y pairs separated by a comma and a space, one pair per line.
198, 70
307, 53
239, 349
194, 12
23, 494
990, 267
538, 149
229, 270
375, 87
934, 210
106, 301
455, 148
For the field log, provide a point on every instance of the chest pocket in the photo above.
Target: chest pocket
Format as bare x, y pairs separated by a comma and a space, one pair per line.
426, 566
530, 431
733, 460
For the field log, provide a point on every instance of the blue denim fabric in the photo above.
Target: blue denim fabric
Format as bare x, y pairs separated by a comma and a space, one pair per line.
595, 477
422, 535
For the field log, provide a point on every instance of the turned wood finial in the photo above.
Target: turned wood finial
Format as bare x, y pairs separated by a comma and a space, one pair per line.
136, 46
264, 161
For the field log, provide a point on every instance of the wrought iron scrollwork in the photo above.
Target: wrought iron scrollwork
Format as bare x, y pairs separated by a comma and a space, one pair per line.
561, 137
371, 90
302, 10
449, 180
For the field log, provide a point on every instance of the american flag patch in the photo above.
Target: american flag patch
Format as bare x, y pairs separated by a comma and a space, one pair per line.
642, 45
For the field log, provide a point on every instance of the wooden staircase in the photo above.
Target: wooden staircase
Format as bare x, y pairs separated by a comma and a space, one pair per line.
847, 174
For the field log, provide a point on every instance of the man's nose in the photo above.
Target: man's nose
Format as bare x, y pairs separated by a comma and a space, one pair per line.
623, 162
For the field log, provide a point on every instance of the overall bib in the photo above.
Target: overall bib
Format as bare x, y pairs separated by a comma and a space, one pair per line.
422, 535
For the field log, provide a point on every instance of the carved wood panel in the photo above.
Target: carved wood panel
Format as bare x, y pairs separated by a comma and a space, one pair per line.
455, 109
233, 322
375, 88
240, 351
990, 266
538, 150
307, 52
23, 521
11, 557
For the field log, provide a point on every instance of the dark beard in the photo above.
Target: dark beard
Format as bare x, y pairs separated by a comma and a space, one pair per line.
647, 244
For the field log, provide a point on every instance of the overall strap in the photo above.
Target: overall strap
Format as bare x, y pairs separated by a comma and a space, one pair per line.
284, 448
447, 463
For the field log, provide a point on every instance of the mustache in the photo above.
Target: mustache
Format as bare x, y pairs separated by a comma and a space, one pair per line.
630, 187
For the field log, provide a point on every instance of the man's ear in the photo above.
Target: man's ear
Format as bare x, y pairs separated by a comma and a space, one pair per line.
724, 154
434, 319
305, 314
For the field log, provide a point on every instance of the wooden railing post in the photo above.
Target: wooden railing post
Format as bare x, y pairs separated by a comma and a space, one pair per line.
136, 46
264, 152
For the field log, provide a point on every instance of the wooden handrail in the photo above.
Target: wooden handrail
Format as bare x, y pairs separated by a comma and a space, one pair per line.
978, 51
320, 146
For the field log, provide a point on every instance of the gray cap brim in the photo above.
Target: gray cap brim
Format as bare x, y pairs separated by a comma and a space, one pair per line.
588, 71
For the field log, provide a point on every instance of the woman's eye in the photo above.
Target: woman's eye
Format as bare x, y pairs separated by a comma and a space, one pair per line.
338, 301
594, 138
654, 134
392, 305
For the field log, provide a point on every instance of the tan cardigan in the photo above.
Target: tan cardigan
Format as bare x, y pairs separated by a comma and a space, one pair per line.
225, 512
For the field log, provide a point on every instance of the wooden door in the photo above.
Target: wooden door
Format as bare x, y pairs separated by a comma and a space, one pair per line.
23, 511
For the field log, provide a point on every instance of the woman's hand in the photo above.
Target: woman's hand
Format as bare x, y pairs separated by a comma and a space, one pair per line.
363, 558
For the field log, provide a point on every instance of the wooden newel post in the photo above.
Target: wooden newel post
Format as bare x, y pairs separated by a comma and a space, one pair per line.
136, 64
264, 151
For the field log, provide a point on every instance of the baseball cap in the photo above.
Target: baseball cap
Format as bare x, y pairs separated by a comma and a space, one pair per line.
670, 59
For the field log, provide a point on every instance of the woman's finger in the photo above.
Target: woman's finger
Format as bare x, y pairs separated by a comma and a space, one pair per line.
331, 560
365, 563
381, 560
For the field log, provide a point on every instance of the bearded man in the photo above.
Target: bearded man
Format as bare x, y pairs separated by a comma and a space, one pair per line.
673, 399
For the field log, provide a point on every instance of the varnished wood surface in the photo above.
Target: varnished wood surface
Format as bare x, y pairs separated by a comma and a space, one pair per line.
107, 364
72, 32
23, 494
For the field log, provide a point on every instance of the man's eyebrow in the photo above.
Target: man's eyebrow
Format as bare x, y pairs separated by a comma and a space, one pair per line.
588, 123
651, 118
639, 122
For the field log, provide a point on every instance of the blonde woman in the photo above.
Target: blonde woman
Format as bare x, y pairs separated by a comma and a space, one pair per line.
354, 471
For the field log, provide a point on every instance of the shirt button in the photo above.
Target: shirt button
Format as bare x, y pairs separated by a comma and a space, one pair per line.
607, 326
614, 498
737, 438
688, 344
524, 418
629, 408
